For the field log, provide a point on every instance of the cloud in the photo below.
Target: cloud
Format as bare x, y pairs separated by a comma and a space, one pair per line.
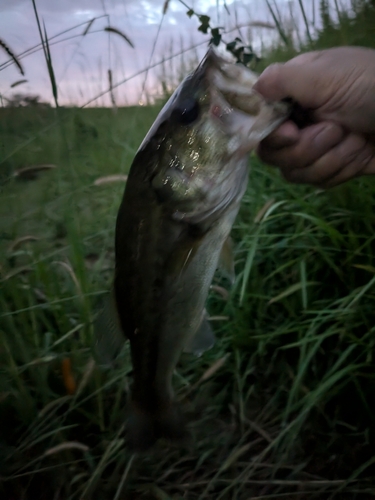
81, 63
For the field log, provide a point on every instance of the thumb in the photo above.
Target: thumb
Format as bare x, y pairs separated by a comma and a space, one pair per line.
296, 79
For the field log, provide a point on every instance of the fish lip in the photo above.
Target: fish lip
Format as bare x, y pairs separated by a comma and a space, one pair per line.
211, 58
233, 98
211, 61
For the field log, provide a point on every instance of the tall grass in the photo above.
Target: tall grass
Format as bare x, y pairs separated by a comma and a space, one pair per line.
281, 407
351, 24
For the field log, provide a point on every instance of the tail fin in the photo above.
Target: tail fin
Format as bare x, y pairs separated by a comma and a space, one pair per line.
145, 428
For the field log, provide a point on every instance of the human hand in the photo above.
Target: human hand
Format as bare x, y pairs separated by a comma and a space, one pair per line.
337, 88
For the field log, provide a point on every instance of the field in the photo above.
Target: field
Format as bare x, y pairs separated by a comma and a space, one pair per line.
281, 407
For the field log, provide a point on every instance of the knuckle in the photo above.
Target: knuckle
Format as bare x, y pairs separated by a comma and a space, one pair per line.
270, 74
268, 83
357, 155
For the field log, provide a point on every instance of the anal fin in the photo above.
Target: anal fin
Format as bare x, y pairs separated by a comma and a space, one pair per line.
108, 335
203, 339
226, 260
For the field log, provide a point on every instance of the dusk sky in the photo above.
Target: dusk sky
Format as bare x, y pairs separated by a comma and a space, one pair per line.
81, 63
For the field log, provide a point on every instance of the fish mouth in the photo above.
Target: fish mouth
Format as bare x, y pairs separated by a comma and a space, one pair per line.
243, 114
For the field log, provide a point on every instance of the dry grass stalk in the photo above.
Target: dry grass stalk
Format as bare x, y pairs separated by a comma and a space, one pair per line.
12, 56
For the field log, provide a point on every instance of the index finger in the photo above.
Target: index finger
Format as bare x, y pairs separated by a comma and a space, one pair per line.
294, 79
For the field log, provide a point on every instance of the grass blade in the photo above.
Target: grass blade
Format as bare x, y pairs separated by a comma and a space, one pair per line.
13, 57
120, 33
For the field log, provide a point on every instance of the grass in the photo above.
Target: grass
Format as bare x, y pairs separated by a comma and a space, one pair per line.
281, 407
297, 345
339, 26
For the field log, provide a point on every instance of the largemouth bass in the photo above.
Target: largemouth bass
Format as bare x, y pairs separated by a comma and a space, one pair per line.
181, 199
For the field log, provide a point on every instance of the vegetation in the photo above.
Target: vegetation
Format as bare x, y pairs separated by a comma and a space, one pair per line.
354, 26
281, 407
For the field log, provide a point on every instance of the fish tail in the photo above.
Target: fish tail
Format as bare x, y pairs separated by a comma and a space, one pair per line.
146, 427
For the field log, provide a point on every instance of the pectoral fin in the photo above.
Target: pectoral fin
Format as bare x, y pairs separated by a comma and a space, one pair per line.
108, 335
226, 260
203, 339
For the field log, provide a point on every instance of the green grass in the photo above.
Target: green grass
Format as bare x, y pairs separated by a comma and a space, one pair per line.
89, 144
281, 407
299, 339
355, 27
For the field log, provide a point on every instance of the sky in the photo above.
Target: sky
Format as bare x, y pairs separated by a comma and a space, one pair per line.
81, 63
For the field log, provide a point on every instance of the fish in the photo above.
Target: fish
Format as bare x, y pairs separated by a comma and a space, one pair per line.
181, 198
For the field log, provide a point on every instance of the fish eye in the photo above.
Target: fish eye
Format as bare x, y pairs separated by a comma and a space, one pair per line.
186, 112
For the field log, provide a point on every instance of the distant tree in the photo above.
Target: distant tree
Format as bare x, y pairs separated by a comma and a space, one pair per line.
25, 100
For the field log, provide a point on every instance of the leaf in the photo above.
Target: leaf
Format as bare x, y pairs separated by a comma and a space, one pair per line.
234, 456
89, 24
20, 241
221, 291
108, 179
68, 377
70, 270
205, 23
18, 82
165, 6
290, 290
89, 369
213, 368
217, 365
262, 24
370, 269
190, 12
249, 264
216, 36
50, 66
218, 318
110, 82
30, 173
246, 58
68, 445
47, 53
15, 272
259, 216
110, 29
278, 24
12, 55
155, 492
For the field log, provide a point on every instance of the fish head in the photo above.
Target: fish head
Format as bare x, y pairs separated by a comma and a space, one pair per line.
202, 137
